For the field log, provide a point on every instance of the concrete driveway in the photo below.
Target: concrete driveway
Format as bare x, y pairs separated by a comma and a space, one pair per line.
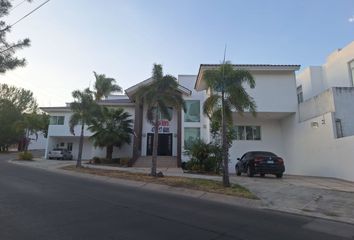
315, 196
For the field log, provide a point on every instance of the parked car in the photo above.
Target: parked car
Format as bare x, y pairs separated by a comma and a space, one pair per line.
259, 162
59, 153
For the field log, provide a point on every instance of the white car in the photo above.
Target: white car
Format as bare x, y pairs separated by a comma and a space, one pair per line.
59, 153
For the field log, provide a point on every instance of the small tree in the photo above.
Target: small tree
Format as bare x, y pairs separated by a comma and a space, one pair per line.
84, 108
228, 95
111, 128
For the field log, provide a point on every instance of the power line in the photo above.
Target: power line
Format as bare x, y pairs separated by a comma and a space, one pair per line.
17, 5
29, 13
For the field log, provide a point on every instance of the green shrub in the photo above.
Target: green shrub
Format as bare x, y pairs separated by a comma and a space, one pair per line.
96, 160
124, 161
25, 156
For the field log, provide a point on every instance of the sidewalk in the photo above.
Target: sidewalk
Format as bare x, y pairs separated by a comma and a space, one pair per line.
311, 196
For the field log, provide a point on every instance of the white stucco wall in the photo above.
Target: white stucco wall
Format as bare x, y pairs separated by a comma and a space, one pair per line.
333, 73
336, 67
316, 151
271, 140
39, 142
275, 91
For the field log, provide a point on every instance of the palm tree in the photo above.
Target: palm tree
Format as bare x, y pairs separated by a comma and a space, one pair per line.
228, 95
158, 97
104, 86
111, 128
84, 108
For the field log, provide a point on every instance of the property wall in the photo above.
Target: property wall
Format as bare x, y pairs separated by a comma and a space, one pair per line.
271, 140
315, 151
38, 142
317, 105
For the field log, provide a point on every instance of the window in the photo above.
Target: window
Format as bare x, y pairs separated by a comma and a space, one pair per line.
192, 113
300, 96
190, 135
339, 128
163, 116
69, 146
351, 70
56, 120
248, 132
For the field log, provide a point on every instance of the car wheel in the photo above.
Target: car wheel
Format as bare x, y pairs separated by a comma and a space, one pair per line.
249, 171
238, 172
262, 174
279, 175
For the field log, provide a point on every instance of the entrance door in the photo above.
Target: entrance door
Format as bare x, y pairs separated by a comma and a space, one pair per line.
164, 147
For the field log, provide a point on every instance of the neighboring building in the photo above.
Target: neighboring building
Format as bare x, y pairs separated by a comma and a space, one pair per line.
306, 119
319, 139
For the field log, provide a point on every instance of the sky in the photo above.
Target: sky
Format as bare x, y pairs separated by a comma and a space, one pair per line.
123, 39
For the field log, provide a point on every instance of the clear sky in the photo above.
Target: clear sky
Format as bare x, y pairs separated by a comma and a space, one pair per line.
122, 39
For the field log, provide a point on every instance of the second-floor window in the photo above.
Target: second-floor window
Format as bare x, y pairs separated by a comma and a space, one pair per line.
192, 113
56, 120
300, 96
351, 70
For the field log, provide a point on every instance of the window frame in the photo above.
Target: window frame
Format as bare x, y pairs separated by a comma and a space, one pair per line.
244, 134
57, 120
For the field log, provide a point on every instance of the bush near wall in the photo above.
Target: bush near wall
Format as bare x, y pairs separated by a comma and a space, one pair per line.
25, 156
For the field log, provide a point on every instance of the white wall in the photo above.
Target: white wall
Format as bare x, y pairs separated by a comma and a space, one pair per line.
271, 140
316, 151
39, 143
274, 91
334, 73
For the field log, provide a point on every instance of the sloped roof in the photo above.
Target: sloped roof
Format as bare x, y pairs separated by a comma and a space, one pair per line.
250, 67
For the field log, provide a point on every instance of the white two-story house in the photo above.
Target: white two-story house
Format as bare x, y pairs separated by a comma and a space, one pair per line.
306, 119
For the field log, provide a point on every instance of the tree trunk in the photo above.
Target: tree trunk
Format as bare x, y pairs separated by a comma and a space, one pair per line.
109, 152
225, 148
26, 140
81, 145
154, 146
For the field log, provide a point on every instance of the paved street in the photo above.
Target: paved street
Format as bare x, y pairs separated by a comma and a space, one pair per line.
37, 204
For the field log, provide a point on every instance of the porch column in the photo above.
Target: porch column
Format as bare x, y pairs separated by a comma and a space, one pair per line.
179, 137
138, 124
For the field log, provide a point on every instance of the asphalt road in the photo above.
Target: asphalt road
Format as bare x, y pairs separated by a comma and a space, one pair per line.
36, 204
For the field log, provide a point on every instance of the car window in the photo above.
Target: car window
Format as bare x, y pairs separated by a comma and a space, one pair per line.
263, 154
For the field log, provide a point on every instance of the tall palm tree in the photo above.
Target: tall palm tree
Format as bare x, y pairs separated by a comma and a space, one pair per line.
111, 128
228, 95
157, 97
104, 86
84, 108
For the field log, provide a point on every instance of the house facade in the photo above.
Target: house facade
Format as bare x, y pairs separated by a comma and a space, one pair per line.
307, 119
